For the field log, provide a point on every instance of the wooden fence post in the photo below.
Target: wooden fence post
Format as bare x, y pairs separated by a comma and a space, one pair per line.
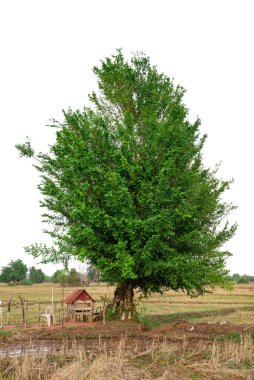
39, 311
62, 308
22, 308
25, 311
9, 310
1, 315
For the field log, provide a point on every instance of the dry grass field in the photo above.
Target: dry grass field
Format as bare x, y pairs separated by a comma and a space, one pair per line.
176, 337
237, 305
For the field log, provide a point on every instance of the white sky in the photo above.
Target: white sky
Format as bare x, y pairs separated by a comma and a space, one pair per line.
48, 49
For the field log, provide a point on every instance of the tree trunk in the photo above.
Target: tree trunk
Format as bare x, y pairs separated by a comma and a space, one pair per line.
123, 300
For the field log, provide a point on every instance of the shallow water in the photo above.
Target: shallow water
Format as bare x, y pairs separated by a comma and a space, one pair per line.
46, 347
20, 349
54, 347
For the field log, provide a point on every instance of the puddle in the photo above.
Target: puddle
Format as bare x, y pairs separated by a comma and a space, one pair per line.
19, 350
39, 348
42, 348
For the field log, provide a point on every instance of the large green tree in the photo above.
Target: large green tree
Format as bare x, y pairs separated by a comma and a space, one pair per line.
15, 271
124, 186
36, 275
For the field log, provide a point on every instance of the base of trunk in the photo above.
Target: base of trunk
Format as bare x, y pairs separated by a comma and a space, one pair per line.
123, 300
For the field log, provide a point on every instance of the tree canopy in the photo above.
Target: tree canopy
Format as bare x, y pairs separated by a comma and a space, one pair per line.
36, 275
15, 271
124, 186
65, 277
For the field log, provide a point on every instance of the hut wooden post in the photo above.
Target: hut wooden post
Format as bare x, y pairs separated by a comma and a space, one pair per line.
58, 309
9, 310
105, 300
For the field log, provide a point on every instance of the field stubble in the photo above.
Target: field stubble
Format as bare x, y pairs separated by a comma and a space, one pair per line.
135, 359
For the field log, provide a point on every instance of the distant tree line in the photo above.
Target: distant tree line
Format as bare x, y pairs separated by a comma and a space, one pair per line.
73, 277
242, 279
17, 272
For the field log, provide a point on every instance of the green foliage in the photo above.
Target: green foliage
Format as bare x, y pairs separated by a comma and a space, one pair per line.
243, 280
55, 275
64, 277
15, 271
50, 254
25, 150
93, 275
73, 277
5, 332
235, 277
141, 315
124, 186
111, 313
36, 275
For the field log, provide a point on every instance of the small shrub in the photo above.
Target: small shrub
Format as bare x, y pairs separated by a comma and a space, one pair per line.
84, 336
243, 280
111, 313
141, 316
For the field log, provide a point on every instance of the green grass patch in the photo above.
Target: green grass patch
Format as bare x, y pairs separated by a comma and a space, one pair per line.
5, 333
152, 321
231, 336
246, 308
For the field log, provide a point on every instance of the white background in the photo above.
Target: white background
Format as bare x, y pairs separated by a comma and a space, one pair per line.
48, 49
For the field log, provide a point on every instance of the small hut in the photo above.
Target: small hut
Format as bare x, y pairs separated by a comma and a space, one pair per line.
80, 305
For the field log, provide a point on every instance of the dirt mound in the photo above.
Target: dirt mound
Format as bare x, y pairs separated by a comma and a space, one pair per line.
70, 331
117, 329
202, 329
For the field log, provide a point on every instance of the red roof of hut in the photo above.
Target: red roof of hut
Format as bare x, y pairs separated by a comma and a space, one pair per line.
78, 294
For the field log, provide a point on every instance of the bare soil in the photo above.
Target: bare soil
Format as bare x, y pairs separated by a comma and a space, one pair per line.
119, 329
